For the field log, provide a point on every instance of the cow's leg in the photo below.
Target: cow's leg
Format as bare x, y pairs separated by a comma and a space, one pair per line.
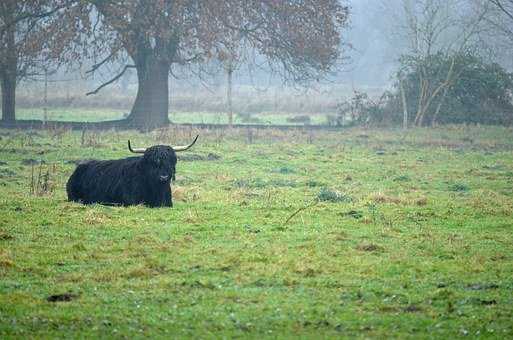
161, 199
168, 199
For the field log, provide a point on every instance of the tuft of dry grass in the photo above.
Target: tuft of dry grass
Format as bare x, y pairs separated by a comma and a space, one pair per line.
380, 197
179, 193
93, 217
5, 260
422, 201
6, 263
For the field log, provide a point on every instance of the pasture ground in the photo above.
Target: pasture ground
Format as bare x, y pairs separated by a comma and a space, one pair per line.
93, 115
357, 233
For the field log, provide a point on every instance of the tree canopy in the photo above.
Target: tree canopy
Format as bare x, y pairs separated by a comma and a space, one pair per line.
24, 27
299, 39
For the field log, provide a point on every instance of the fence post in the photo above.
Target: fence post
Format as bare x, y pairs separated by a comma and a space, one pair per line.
45, 108
405, 108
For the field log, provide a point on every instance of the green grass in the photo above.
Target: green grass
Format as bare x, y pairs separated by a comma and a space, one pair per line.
91, 115
71, 114
363, 233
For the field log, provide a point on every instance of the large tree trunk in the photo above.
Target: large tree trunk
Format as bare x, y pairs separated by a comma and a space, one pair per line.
151, 105
8, 84
8, 70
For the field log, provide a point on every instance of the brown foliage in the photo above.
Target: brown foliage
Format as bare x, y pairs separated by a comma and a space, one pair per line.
302, 38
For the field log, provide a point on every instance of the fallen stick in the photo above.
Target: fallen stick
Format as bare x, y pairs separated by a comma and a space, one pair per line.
301, 209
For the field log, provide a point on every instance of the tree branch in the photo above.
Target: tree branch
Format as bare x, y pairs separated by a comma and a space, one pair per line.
502, 8
24, 16
98, 65
180, 60
111, 81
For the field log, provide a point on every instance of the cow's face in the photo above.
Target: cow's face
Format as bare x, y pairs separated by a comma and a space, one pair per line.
159, 163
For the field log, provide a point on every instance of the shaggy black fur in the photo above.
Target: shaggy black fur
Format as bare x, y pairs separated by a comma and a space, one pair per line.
128, 181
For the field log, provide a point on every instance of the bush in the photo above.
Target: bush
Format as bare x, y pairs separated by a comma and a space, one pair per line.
479, 93
360, 109
328, 195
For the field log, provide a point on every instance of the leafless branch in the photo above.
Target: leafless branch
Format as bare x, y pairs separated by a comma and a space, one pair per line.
29, 15
111, 81
106, 59
501, 6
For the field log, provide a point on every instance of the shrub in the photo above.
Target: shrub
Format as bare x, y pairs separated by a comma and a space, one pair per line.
459, 187
479, 93
360, 109
328, 195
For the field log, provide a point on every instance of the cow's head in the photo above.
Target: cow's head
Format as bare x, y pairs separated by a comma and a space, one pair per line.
159, 161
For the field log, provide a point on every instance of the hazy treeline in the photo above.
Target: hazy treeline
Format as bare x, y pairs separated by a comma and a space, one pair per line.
379, 36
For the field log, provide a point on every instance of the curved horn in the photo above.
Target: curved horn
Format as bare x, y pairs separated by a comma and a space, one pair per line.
184, 147
137, 150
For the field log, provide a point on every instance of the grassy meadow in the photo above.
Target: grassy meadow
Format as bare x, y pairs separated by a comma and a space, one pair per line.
67, 114
355, 233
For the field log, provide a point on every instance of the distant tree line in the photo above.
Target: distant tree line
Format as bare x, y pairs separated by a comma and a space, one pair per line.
446, 72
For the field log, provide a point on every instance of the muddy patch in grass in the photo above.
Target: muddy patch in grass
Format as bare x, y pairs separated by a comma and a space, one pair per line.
412, 309
482, 286
458, 187
478, 302
369, 247
66, 297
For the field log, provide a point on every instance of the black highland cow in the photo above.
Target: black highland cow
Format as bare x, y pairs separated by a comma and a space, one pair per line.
129, 181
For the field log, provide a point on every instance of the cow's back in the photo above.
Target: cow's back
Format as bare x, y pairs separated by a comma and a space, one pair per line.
102, 181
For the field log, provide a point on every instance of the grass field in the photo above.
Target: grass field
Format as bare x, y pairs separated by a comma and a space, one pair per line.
92, 115
357, 233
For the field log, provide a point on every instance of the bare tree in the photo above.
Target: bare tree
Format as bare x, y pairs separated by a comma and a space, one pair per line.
505, 6
436, 28
500, 21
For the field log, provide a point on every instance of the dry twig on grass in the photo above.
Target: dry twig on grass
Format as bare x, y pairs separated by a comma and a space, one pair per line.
300, 210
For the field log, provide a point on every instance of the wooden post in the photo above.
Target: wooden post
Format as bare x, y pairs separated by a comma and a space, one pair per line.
229, 71
405, 107
45, 107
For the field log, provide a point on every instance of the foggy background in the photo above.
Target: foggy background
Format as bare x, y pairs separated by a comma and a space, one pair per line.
373, 43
